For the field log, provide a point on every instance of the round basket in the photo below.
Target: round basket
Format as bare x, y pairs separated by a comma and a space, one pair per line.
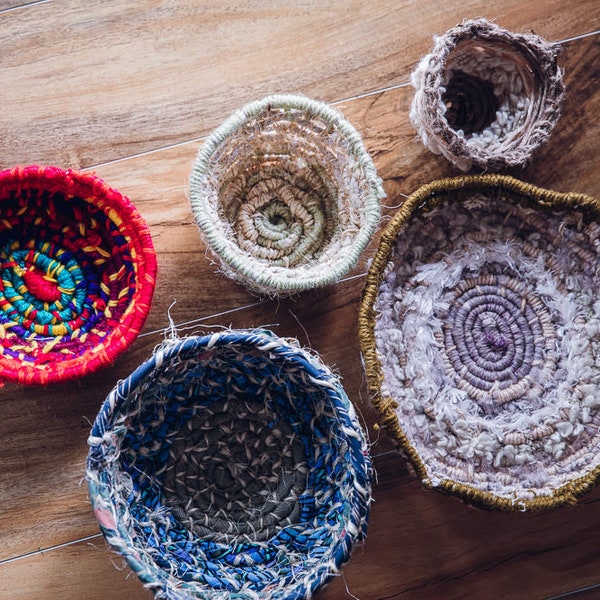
77, 274
480, 331
486, 96
230, 466
285, 195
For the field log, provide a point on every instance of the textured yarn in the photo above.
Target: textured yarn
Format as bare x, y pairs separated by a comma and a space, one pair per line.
77, 274
285, 195
480, 327
485, 96
230, 466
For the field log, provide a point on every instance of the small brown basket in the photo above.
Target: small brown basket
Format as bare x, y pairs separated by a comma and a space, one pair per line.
485, 96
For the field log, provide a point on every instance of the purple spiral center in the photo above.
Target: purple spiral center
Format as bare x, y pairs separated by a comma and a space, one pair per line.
495, 337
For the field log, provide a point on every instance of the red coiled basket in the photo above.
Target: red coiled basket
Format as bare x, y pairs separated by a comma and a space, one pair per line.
77, 274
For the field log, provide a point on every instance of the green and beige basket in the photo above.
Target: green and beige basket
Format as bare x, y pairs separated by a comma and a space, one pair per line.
480, 331
230, 466
485, 96
285, 195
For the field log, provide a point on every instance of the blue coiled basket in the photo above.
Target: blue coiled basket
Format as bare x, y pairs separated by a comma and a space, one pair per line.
230, 466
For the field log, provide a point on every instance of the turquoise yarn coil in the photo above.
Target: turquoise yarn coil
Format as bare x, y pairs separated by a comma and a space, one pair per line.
285, 195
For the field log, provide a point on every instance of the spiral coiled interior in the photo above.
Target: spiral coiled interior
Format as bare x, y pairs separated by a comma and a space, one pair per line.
236, 473
62, 284
231, 465
487, 326
281, 209
285, 195
495, 333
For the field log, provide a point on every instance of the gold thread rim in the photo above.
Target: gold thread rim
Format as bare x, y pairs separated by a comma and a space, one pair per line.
538, 197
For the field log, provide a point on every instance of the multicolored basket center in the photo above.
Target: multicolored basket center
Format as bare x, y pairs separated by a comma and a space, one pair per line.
77, 272
480, 327
230, 466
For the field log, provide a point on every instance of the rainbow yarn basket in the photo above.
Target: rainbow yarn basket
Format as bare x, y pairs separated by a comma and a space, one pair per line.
77, 274
285, 195
230, 466
480, 331
487, 97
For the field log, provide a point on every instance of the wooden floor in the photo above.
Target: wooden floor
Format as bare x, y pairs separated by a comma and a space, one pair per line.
128, 90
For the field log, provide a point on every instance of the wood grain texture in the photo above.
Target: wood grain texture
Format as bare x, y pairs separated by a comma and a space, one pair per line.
110, 84
109, 79
82, 570
9, 5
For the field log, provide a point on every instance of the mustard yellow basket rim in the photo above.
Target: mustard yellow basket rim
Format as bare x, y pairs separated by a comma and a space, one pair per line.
417, 201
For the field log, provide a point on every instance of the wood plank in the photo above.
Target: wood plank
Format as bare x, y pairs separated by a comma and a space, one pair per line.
83, 570
101, 80
44, 432
8, 5
421, 545
434, 547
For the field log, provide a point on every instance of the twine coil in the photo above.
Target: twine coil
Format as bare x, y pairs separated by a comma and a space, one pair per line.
285, 195
480, 328
230, 466
77, 274
485, 96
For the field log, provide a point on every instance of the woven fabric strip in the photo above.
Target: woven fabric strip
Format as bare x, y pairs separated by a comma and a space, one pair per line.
485, 96
480, 326
230, 466
285, 195
77, 274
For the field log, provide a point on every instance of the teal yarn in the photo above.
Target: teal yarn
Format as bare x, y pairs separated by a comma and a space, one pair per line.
230, 466
285, 195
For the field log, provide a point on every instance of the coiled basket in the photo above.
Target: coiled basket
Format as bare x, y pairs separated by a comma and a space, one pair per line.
78, 271
230, 466
480, 330
485, 96
285, 195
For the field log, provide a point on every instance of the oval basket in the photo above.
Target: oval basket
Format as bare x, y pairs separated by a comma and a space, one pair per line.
485, 96
77, 274
230, 466
480, 328
285, 195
